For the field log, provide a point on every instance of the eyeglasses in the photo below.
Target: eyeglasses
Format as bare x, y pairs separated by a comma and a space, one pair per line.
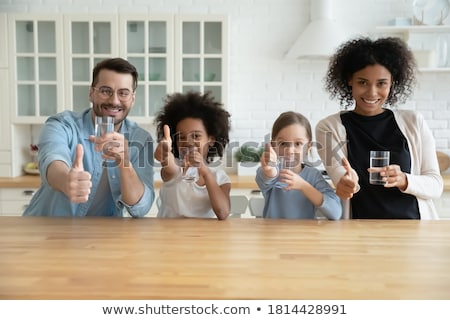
107, 92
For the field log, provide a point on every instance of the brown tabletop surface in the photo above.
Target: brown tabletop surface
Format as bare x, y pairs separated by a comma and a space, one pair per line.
149, 258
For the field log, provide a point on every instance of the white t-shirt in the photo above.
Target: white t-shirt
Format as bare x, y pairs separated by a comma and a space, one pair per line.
180, 199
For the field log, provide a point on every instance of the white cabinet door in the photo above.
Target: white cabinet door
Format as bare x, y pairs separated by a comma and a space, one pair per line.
148, 45
5, 126
88, 40
5, 106
201, 44
443, 205
36, 73
15, 200
3, 39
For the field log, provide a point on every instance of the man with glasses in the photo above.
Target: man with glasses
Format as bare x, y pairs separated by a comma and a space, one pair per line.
74, 181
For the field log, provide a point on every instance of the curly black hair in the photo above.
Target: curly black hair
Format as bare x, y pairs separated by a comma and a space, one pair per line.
391, 52
179, 106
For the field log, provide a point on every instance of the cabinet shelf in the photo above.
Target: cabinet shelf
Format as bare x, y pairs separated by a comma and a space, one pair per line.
414, 29
422, 37
406, 31
446, 69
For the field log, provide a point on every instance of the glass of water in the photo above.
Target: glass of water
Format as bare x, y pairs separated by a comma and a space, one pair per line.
190, 174
103, 125
284, 163
378, 159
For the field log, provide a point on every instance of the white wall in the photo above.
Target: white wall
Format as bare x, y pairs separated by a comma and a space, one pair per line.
262, 82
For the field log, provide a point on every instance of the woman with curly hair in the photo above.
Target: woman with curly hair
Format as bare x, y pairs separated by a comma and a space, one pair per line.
373, 76
192, 130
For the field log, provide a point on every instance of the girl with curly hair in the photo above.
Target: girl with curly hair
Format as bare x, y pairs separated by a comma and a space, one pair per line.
192, 130
373, 76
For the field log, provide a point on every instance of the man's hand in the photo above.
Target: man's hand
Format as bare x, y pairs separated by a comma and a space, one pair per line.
78, 185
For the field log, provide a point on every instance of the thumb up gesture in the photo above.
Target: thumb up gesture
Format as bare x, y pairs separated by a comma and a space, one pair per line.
78, 184
268, 161
348, 184
163, 151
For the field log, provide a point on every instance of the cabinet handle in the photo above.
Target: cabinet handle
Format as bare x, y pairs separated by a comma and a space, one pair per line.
28, 193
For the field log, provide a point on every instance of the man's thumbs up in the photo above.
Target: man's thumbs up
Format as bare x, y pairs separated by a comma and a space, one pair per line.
78, 161
79, 181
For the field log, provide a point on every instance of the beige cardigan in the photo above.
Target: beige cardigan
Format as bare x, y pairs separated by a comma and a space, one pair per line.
424, 182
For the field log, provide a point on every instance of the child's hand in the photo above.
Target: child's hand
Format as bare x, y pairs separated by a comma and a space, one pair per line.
193, 158
163, 151
269, 161
292, 179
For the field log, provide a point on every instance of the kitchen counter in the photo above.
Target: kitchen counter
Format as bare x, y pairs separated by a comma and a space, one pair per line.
237, 182
33, 181
26, 181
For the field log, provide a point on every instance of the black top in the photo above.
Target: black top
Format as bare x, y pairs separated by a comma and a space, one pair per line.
380, 132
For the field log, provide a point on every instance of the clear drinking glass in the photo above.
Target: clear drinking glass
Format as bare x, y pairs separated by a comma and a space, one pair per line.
284, 163
378, 159
190, 174
103, 125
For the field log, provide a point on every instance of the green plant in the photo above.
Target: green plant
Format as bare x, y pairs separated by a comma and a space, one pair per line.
248, 153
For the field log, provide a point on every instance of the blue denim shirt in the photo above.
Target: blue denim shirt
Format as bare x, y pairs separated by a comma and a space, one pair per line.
58, 139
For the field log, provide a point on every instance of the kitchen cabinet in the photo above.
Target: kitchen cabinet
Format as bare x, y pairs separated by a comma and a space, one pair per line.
3, 39
52, 57
88, 40
201, 60
431, 40
36, 66
148, 43
5, 128
145, 41
50, 60
14, 200
443, 205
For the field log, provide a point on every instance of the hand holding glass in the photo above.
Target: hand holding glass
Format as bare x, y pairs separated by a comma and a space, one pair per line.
103, 125
190, 174
284, 163
378, 159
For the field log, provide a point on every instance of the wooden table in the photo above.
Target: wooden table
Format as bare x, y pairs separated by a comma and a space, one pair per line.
110, 258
